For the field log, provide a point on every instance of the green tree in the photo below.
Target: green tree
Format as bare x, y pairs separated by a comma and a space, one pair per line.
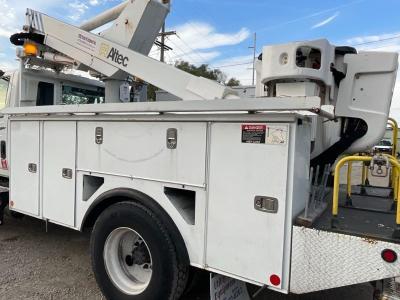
151, 92
233, 82
203, 70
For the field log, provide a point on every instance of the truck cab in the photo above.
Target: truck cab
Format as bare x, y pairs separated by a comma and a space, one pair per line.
32, 86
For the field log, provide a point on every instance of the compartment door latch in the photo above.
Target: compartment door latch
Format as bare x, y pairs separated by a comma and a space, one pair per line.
266, 204
67, 173
172, 138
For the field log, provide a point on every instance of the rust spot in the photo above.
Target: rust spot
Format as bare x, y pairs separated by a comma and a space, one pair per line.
128, 25
370, 241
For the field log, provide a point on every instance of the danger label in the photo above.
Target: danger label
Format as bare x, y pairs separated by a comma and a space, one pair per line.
254, 134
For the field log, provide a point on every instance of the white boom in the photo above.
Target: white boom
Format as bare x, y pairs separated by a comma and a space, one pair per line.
124, 51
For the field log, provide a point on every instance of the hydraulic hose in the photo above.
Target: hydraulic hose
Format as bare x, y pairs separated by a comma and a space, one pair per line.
19, 39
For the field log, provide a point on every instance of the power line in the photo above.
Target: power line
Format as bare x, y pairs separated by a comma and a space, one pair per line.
378, 41
193, 50
189, 54
233, 65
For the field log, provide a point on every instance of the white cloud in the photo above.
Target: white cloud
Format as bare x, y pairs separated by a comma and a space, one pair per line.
198, 43
6, 33
8, 19
8, 65
204, 36
326, 21
79, 9
94, 2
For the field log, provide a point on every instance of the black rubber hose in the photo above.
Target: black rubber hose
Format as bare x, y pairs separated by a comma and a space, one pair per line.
18, 39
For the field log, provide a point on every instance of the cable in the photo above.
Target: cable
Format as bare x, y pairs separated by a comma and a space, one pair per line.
233, 65
378, 41
193, 50
183, 52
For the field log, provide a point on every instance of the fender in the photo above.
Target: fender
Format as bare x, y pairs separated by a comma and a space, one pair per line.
111, 197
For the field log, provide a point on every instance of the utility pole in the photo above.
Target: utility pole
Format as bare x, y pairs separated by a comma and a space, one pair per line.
254, 47
162, 44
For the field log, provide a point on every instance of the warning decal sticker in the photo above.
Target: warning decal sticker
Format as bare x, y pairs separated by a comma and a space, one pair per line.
254, 134
263, 134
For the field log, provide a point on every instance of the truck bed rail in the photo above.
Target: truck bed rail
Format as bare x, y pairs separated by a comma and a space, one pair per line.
311, 104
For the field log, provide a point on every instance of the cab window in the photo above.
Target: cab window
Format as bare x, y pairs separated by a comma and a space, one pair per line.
4, 82
74, 95
45, 94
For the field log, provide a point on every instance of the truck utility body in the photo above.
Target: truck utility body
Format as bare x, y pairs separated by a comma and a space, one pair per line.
178, 160
214, 181
200, 180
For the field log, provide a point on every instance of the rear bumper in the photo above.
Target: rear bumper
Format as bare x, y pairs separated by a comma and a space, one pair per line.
323, 260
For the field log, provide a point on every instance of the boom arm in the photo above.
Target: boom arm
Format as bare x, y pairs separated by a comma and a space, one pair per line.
109, 58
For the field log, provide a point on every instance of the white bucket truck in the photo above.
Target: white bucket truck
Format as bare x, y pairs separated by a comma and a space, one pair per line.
214, 182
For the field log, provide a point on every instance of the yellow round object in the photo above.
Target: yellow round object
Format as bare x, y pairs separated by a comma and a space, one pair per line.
30, 49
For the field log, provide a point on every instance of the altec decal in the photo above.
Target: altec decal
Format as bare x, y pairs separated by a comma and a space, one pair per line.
114, 55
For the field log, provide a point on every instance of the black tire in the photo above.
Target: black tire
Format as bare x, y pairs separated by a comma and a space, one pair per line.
16, 215
197, 279
169, 273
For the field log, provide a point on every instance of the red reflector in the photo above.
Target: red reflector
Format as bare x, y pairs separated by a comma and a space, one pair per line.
275, 280
389, 256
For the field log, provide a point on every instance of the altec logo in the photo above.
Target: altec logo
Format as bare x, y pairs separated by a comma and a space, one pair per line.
114, 55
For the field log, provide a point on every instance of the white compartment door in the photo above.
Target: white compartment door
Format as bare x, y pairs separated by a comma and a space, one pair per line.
24, 163
59, 152
244, 164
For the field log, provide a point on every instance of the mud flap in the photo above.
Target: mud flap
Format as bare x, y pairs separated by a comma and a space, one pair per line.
3, 203
391, 289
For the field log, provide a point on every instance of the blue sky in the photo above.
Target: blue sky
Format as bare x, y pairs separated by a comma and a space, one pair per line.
219, 32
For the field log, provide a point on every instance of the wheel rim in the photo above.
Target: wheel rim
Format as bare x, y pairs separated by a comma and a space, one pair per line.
128, 261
